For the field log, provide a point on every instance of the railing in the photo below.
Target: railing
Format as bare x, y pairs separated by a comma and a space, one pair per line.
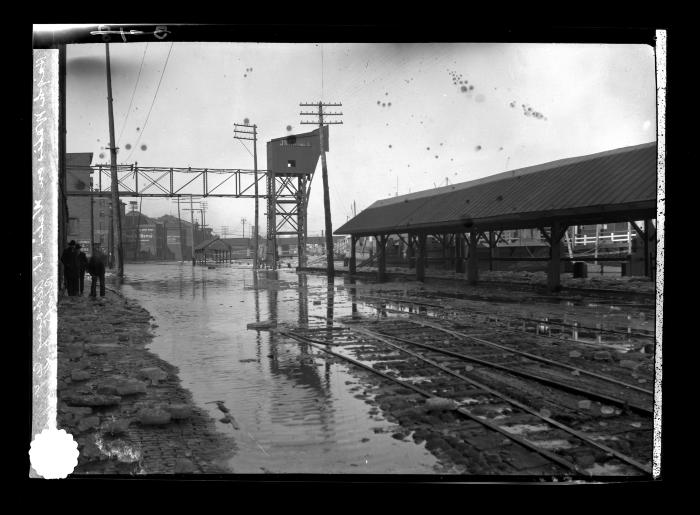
585, 239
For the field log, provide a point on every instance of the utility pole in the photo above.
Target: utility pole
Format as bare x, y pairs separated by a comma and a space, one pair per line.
192, 228
203, 206
243, 221
243, 134
179, 225
116, 211
92, 223
326, 197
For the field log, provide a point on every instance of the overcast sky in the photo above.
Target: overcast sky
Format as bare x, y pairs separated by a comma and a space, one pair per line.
415, 116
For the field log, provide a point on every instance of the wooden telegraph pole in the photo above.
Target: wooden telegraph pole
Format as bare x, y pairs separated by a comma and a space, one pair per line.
253, 136
326, 197
116, 211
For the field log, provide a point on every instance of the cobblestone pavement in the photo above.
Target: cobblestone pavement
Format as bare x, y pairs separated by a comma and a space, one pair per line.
123, 405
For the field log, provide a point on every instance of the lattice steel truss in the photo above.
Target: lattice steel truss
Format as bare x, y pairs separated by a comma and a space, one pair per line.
136, 181
287, 195
287, 201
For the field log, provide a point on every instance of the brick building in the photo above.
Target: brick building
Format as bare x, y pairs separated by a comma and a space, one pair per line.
88, 217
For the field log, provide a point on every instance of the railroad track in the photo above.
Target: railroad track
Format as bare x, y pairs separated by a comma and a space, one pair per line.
535, 323
565, 350
582, 426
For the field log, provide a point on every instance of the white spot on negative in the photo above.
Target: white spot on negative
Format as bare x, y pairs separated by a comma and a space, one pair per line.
53, 453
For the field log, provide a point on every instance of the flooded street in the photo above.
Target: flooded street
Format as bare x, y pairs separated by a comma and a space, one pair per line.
296, 409
296, 413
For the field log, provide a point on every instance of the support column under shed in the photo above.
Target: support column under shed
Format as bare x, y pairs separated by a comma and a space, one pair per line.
554, 239
420, 256
353, 259
460, 252
381, 257
472, 260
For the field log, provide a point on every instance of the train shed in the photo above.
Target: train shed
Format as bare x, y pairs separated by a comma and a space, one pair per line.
618, 185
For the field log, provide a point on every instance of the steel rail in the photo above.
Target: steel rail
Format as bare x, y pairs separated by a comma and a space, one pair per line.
529, 375
505, 315
532, 356
517, 331
525, 443
516, 403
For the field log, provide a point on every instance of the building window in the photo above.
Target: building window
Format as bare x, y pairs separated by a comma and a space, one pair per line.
73, 226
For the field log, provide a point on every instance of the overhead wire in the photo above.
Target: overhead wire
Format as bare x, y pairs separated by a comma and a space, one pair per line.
143, 129
245, 147
131, 102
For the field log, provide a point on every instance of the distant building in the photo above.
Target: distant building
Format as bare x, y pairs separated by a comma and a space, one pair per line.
86, 213
240, 247
178, 234
287, 247
144, 238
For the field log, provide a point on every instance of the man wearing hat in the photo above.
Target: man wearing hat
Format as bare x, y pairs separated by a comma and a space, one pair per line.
96, 268
69, 258
82, 266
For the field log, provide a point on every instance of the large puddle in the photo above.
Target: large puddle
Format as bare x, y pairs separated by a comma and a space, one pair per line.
296, 413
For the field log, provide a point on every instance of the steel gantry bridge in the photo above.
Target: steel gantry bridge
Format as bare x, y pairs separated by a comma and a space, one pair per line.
157, 181
286, 196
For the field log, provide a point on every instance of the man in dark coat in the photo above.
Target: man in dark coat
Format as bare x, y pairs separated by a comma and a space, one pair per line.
69, 258
82, 266
96, 268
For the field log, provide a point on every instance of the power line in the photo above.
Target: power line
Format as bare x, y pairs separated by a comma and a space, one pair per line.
131, 102
152, 102
245, 146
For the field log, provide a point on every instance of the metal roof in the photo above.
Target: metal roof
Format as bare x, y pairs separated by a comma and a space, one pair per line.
615, 185
208, 243
238, 242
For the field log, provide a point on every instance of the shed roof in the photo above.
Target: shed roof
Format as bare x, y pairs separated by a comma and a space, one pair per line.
213, 243
615, 185
237, 242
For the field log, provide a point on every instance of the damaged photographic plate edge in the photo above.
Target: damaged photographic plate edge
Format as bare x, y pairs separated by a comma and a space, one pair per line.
660, 219
53, 453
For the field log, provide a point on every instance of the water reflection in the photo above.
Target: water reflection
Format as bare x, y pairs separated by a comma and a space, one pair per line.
353, 294
294, 407
303, 292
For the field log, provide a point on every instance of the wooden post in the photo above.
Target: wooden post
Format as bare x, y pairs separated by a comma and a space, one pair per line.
255, 178
381, 258
647, 268
330, 271
116, 203
411, 251
353, 259
420, 257
629, 238
553, 278
446, 259
472, 261
460, 252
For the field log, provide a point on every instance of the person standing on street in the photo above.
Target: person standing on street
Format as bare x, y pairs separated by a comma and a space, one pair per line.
65, 258
69, 258
82, 266
96, 268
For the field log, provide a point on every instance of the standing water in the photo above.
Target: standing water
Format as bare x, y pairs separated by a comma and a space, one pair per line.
296, 413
